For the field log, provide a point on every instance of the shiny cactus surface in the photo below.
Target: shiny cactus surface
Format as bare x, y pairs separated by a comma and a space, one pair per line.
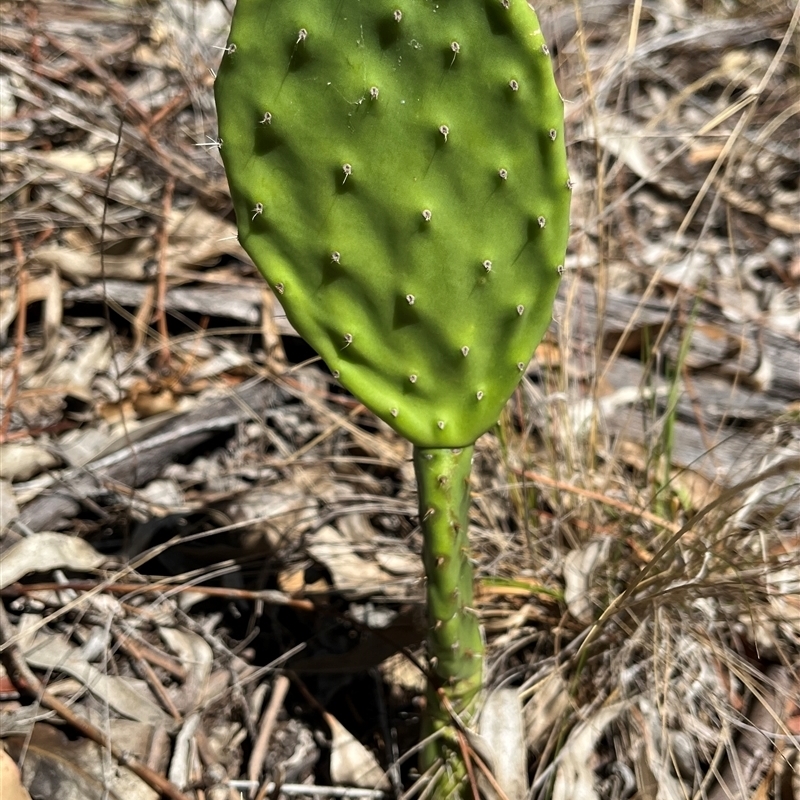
399, 176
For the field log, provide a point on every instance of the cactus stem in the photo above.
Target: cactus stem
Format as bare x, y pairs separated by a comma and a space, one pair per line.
454, 633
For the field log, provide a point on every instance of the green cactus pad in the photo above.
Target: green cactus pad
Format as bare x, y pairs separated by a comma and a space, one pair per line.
399, 175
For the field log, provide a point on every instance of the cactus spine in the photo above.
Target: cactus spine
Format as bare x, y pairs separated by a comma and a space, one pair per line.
399, 176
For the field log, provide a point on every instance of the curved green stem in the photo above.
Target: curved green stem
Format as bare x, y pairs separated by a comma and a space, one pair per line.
455, 641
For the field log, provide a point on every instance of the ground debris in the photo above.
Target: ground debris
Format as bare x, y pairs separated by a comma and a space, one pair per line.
211, 578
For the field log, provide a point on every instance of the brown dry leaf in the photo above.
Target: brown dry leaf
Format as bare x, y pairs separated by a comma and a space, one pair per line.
780, 222
75, 160
701, 152
575, 776
292, 581
278, 511
11, 787
8, 309
623, 141
150, 404
693, 489
501, 726
73, 377
20, 461
196, 655
399, 561
46, 551
579, 568
129, 697
184, 753
198, 238
56, 767
80, 266
784, 598
351, 763
44, 288
402, 673
546, 709
53, 315
9, 510
351, 572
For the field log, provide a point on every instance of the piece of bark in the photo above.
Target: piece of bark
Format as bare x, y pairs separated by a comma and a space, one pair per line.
143, 460
749, 353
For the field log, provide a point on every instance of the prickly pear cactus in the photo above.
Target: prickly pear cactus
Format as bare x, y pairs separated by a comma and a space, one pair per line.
399, 176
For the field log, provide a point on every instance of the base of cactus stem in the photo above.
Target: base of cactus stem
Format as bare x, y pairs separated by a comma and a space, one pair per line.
442, 757
455, 640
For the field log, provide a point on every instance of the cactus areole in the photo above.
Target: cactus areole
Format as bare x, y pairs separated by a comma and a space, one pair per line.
399, 176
